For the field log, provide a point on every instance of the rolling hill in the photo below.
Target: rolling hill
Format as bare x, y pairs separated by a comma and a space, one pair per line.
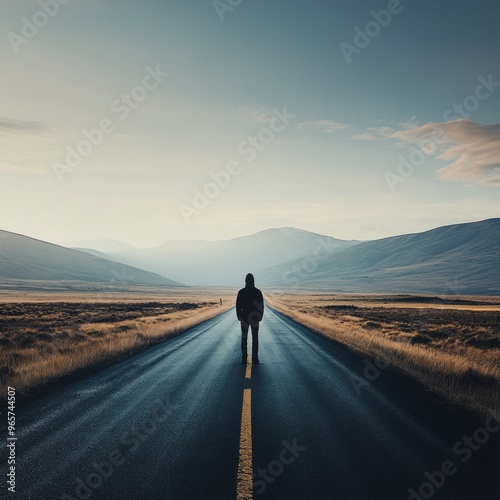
456, 259
28, 259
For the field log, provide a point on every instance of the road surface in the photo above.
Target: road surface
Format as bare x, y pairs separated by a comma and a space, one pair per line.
167, 424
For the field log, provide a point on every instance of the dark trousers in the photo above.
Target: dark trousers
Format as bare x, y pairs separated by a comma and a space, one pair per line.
244, 338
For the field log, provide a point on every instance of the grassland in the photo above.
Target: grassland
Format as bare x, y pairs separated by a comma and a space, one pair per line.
450, 344
44, 336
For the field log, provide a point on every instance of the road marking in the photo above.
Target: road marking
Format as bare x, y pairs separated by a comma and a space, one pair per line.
248, 371
244, 483
244, 487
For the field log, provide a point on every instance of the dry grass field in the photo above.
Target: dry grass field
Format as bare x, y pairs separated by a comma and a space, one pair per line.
451, 344
44, 336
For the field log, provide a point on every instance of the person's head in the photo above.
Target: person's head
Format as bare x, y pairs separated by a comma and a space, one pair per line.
249, 279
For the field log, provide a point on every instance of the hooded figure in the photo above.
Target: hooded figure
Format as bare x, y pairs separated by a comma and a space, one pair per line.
249, 309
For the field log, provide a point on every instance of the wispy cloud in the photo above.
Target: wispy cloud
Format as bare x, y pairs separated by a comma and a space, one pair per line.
27, 145
365, 136
10, 126
472, 148
260, 114
327, 126
374, 133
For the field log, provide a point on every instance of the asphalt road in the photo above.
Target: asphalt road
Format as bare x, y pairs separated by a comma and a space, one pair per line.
165, 424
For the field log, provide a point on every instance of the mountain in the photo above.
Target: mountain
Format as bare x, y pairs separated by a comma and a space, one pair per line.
456, 259
102, 255
103, 245
227, 262
24, 258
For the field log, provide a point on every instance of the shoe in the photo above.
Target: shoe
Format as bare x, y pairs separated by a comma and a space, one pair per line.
243, 360
255, 360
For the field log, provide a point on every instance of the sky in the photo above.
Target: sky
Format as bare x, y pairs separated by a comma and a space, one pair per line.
164, 120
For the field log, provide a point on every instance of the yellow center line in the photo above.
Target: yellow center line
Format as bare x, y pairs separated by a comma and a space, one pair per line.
248, 371
244, 485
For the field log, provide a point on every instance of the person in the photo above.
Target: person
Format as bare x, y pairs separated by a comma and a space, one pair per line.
250, 309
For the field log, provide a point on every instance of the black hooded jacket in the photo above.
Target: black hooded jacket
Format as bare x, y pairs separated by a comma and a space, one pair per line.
250, 305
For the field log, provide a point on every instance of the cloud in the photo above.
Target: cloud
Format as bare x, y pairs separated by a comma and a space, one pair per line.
472, 149
259, 114
264, 116
10, 126
492, 181
327, 126
374, 133
365, 136
27, 146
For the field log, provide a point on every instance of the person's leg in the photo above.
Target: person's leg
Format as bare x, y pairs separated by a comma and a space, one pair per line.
244, 338
255, 343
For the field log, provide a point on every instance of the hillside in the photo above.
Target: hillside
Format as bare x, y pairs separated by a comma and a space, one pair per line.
24, 258
461, 259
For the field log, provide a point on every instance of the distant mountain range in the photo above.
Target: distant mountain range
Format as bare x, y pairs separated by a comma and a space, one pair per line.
457, 259
226, 262
27, 259
104, 245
